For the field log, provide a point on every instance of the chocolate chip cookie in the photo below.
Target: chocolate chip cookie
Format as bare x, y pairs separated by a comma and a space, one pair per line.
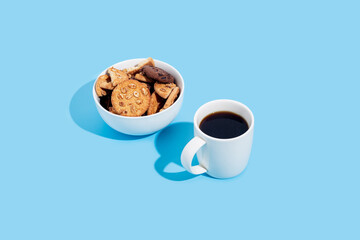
158, 74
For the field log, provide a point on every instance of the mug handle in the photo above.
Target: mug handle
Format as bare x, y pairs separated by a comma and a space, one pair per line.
188, 154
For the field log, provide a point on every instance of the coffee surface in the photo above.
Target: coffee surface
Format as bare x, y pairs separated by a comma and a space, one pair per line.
224, 125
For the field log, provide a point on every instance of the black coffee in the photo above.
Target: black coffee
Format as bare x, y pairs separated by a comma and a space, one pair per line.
224, 125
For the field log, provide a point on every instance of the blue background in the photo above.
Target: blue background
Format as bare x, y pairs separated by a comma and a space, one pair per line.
64, 174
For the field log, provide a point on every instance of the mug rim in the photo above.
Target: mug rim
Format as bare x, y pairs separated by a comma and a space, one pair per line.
196, 125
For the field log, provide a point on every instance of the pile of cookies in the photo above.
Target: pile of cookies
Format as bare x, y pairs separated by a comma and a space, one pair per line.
137, 91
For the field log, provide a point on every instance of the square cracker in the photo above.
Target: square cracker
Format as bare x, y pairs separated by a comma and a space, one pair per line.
142, 78
117, 76
171, 99
132, 70
155, 103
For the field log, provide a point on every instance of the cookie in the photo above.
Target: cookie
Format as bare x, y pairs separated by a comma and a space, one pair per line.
158, 74
102, 83
155, 103
171, 99
142, 78
164, 90
117, 76
130, 98
147, 62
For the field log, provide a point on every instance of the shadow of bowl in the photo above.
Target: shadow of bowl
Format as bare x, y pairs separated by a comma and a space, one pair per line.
83, 112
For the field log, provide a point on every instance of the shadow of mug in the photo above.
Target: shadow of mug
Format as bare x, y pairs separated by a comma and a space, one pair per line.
169, 143
84, 113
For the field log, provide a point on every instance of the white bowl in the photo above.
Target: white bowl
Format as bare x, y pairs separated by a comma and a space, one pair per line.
145, 124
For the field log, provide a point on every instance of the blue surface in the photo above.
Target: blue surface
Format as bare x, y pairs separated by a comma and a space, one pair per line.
64, 174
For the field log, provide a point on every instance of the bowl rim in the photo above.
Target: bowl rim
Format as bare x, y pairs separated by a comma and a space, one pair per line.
95, 96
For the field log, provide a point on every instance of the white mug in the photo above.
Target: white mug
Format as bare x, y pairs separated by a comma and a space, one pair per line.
219, 158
